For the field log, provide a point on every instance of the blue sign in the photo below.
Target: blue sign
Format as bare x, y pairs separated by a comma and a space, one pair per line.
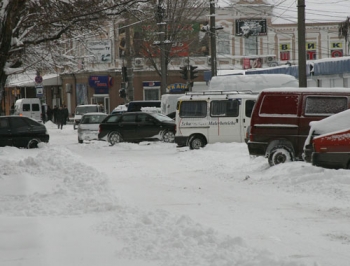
151, 84
101, 84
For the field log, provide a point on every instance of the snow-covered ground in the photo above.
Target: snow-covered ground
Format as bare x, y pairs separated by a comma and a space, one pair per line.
148, 204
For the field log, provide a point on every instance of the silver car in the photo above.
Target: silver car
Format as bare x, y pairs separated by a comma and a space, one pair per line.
89, 125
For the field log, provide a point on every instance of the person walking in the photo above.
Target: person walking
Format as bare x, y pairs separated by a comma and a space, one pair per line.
49, 113
60, 117
54, 112
66, 114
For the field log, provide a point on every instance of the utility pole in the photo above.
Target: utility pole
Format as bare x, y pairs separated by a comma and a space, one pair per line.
162, 45
212, 39
130, 74
301, 44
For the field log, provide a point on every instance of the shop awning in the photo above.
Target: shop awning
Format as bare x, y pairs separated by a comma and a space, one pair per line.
25, 80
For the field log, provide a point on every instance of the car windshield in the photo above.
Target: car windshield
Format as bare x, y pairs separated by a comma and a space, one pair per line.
161, 117
80, 110
92, 119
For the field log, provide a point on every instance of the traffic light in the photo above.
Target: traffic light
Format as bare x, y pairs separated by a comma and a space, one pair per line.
122, 93
125, 74
184, 73
193, 72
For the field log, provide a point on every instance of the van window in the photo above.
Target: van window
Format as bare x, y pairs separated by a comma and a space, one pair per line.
280, 105
193, 109
249, 104
35, 107
325, 105
26, 107
226, 108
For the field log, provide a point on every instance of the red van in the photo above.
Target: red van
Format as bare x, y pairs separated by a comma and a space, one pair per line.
281, 117
332, 150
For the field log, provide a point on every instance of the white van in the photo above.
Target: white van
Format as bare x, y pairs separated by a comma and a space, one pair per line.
169, 102
80, 110
30, 107
213, 116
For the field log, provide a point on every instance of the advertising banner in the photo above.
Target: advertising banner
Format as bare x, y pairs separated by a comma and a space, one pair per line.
101, 50
251, 27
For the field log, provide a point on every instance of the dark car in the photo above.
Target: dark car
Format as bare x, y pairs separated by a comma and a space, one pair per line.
21, 132
136, 127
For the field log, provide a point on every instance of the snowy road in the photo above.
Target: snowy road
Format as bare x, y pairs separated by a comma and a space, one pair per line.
153, 204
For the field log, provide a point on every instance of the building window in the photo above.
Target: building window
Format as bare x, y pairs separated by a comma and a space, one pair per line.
151, 94
223, 43
251, 45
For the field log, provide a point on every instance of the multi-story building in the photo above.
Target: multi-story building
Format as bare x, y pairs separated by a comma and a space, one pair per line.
249, 37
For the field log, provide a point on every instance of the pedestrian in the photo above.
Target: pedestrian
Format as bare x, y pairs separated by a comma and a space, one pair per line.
54, 112
66, 114
60, 117
49, 113
43, 113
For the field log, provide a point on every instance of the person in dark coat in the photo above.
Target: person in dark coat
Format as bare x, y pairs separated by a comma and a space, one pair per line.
60, 117
54, 112
49, 113
66, 114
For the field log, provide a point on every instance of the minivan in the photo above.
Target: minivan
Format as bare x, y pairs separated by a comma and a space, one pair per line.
29, 107
281, 116
213, 116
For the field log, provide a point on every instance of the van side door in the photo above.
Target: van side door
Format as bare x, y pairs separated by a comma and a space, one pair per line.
225, 122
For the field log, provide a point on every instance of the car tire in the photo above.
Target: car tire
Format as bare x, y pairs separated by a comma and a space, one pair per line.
33, 144
168, 136
80, 140
280, 155
196, 142
114, 137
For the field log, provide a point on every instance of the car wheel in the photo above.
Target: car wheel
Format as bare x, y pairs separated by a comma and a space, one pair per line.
196, 142
280, 155
169, 136
33, 143
114, 137
80, 140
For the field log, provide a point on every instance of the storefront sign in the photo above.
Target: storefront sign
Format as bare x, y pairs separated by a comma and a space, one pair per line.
177, 88
151, 84
101, 84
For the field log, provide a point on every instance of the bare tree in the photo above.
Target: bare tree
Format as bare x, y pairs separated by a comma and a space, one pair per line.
180, 22
344, 28
31, 31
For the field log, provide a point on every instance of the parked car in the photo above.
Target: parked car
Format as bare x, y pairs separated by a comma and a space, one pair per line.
122, 108
136, 127
83, 109
89, 125
281, 117
135, 106
336, 122
22, 132
332, 150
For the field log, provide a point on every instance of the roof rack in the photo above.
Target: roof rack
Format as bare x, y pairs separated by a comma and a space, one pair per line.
214, 92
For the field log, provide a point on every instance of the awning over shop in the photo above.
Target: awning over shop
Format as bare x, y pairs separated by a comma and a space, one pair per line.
332, 66
28, 80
